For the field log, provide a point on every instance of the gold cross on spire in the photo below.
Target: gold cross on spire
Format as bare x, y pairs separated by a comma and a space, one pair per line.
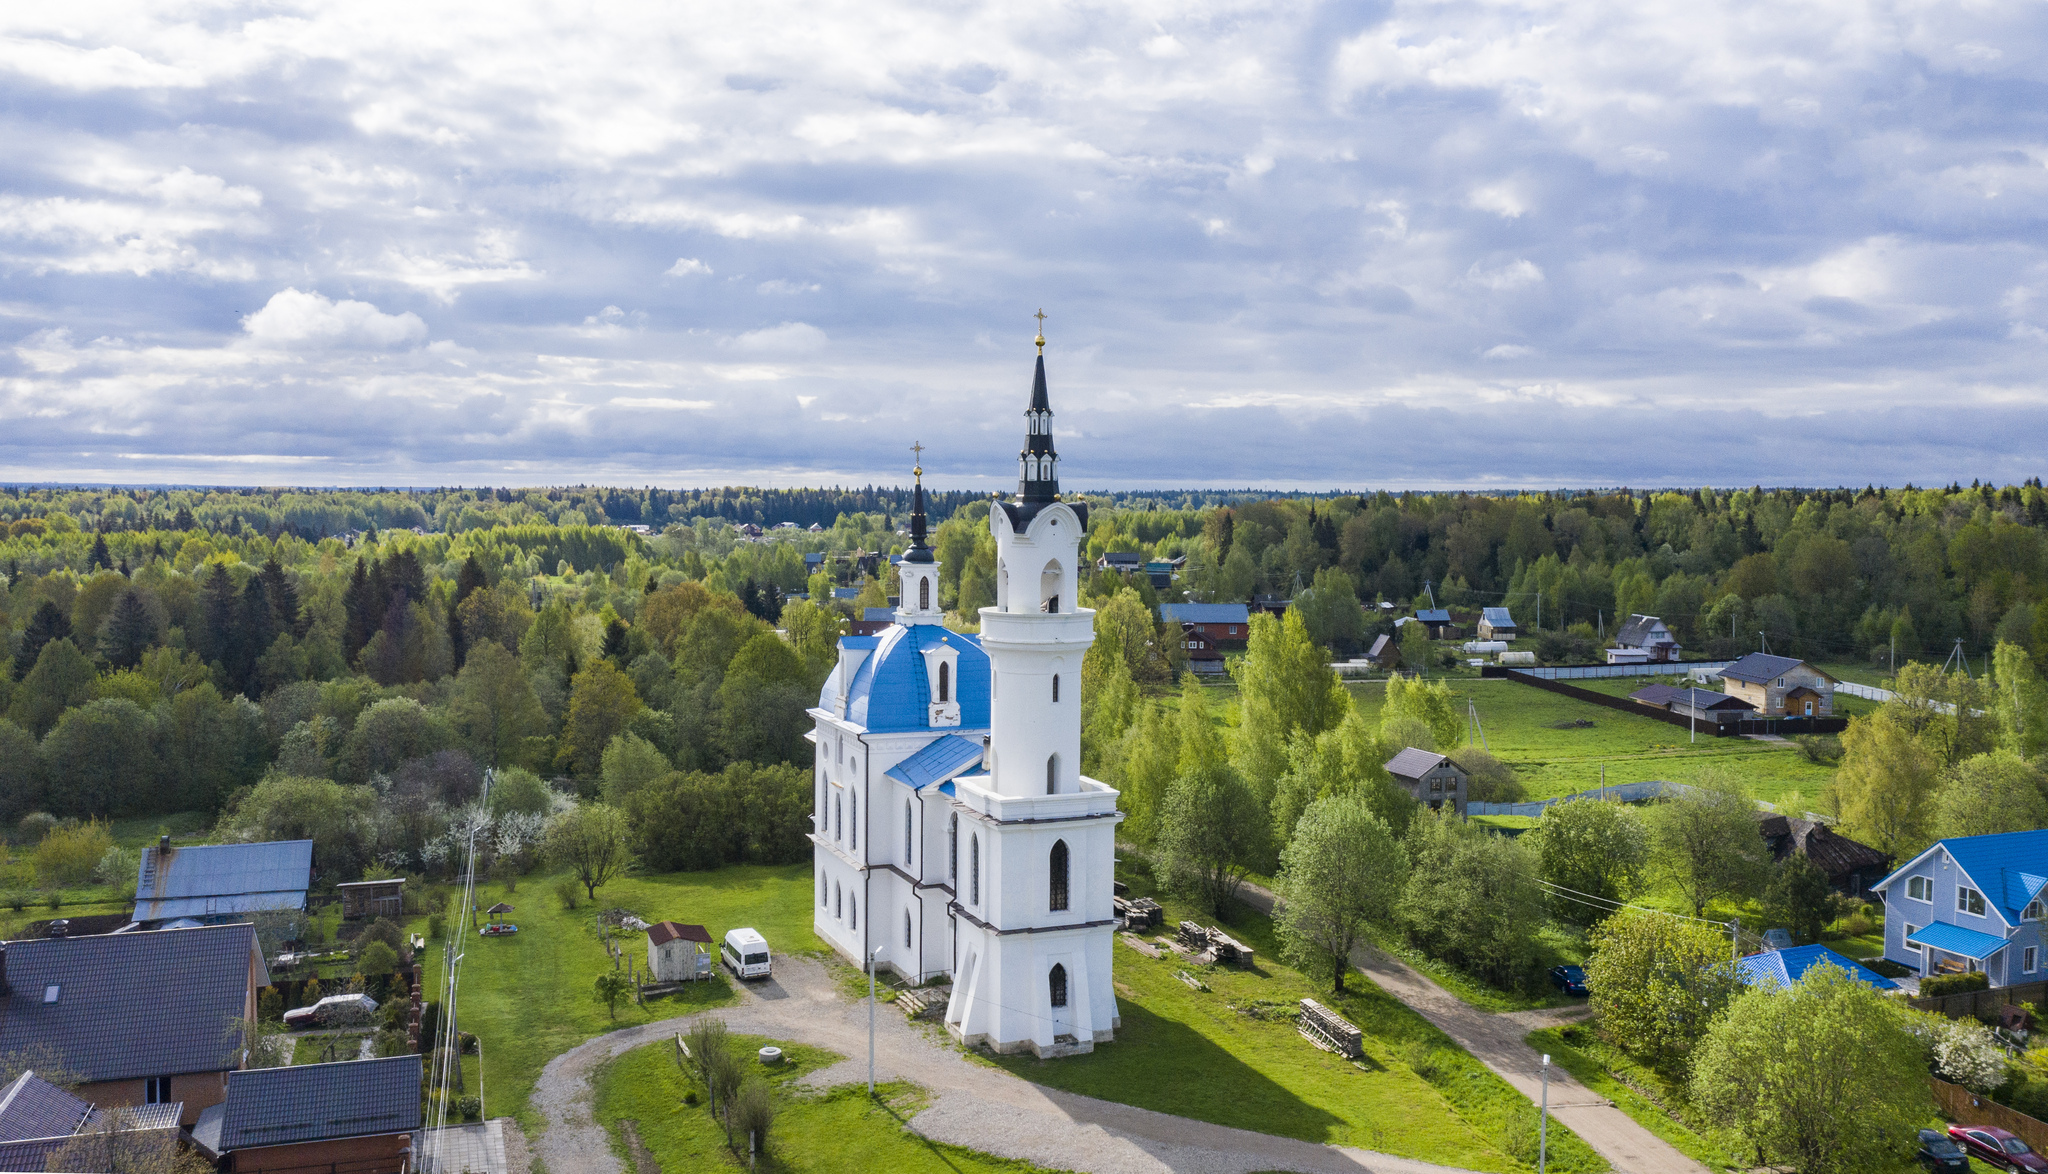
1041, 329
918, 448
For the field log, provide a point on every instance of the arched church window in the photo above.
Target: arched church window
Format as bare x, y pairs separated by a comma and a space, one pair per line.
821, 889
1052, 775
853, 908
953, 851
906, 833
974, 870
906, 929
924, 595
853, 838
1057, 981
945, 682
838, 817
1055, 688
1059, 875
838, 901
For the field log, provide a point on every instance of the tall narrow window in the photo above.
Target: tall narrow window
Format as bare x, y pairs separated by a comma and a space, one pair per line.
1052, 775
906, 929
1057, 980
821, 890
838, 901
853, 908
1055, 688
945, 682
854, 836
924, 595
1059, 875
906, 833
953, 851
974, 870
838, 817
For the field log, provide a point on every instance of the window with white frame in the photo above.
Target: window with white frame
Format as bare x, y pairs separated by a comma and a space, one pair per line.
2033, 911
1920, 888
2028, 957
1912, 947
1969, 901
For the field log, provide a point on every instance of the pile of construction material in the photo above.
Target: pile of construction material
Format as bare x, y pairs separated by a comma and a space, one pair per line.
1330, 1031
1209, 944
925, 1002
1142, 913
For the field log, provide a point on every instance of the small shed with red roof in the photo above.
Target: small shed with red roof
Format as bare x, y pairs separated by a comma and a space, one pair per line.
677, 952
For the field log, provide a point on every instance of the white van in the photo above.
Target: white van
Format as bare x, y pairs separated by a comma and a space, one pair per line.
746, 953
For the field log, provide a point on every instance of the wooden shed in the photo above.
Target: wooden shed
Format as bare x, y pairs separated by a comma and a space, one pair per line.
678, 953
361, 900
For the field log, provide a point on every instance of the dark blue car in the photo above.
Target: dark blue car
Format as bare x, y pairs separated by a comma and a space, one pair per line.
1569, 979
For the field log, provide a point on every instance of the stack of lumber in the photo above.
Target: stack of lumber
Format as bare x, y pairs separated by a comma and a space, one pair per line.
1142, 913
1213, 945
1330, 1031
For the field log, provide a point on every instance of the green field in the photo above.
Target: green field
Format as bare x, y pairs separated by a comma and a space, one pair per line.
839, 1129
528, 996
1222, 1055
1531, 729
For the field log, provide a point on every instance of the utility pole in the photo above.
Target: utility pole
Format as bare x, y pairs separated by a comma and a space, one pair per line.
1543, 1121
1735, 940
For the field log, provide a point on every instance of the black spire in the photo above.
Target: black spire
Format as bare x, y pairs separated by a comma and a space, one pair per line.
918, 552
1038, 465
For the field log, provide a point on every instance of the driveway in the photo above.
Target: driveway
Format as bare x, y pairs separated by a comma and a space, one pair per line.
973, 1105
1496, 1041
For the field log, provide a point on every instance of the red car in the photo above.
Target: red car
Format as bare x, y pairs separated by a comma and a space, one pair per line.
1988, 1143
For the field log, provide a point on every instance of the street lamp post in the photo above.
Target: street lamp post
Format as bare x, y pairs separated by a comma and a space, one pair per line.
1543, 1122
871, 1021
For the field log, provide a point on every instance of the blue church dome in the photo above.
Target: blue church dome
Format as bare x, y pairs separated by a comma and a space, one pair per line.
891, 690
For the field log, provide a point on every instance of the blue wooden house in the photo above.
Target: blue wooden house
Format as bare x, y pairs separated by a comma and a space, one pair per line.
1972, 903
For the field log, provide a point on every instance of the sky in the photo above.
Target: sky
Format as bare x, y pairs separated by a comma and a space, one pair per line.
1413, 243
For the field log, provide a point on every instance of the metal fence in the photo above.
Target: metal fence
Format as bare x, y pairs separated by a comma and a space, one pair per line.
1571, 672
1619, 793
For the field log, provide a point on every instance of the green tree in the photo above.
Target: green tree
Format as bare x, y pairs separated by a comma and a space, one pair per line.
1885, 785
601, 703
591, 840
377, 959
211, 746
393, 731
1427, 703
21, 773
48, 622
1657, 982
610, 987
338, 819
1126, 633
1342, 869
1990, 793
1707, 841
1418, 654
1212, 832
630, 763
1595, 849
1798, 898
1286, 688
98, 760
1491, 780
1348, 760
762, 701
493, 707
1822, 1076
2020, 700
521, 791
1331, 612
68, 855
814, 631
129, 630
1471, 898
550, 642
1149, 759
62, 677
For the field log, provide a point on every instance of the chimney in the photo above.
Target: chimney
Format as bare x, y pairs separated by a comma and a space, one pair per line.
163, 843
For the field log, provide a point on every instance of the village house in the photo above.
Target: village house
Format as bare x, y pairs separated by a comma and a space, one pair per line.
1968, 904
139, 1018
1121, 561
1384, 652
1700, 705
1434, 620
350, 1117
207, 884
1849, 866
1432, 779
1642, 639
1496, 624
42, 1127
1780, 686
1222, 626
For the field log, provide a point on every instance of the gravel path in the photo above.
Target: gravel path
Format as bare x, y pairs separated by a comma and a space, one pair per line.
1496, 1040
976, 1106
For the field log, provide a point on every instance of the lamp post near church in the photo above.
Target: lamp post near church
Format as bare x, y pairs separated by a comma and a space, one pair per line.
871, 1020
1543, 1122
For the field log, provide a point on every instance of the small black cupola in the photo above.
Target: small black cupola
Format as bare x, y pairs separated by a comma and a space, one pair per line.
1038, 466
918, 552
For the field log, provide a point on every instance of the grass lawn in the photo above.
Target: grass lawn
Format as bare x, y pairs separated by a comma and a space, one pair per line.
528, 996
836, 1130
315, 1049
1643, 1094
1224, 1055
1529, 729
1555, 946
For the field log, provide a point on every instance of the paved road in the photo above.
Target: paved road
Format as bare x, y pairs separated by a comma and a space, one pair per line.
1496, 1040
974, 1105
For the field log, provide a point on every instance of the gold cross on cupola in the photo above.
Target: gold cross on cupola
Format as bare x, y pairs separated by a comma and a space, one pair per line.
1041, 329
917, 448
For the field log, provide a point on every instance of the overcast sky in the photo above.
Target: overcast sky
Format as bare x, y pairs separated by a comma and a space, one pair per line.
1452, 243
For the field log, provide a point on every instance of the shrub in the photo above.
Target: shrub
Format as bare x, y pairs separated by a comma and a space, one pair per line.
436, 924
468, 1107
1954, 984
117, 867
68, 856
16, 900
55, 900
1825, 749
571, 895
271, 1006
35, 825
1424, 1058
381, 930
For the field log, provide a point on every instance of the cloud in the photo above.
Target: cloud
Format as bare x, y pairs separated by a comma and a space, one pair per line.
1767, 228
293, 318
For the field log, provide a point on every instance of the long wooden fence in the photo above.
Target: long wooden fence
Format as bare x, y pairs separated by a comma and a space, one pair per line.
1964, 1107
1783, 725
1983, 1004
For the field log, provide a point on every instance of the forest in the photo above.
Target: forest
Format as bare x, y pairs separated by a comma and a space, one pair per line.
370, 653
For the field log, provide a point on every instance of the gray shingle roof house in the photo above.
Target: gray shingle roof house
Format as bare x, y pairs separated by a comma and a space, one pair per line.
1780, 686
139, 1017
356, 1114
33, 1107
39, 1121
1649, 634
219, 880
1431, 778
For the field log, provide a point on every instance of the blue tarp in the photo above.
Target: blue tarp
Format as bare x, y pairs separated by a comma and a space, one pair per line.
938, 761
1956, 940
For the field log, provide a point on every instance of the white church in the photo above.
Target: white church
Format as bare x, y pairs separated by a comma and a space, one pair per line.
955, 834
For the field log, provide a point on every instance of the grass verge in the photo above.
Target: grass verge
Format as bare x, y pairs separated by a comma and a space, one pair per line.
1638, 1091
1554, 947
1231, 1055
838, 1129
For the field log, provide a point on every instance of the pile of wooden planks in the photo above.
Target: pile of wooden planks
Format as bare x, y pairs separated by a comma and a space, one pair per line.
1213, 945
1142, 913
1330, 1031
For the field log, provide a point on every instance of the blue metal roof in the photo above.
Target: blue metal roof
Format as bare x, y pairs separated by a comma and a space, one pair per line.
1205, 613
938, 761
946, 788
878, 613
2009, 867
1955, 939
846, 593
209, 879
1433, 615
891, 690
814, 558
1497, 617
1785, 967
